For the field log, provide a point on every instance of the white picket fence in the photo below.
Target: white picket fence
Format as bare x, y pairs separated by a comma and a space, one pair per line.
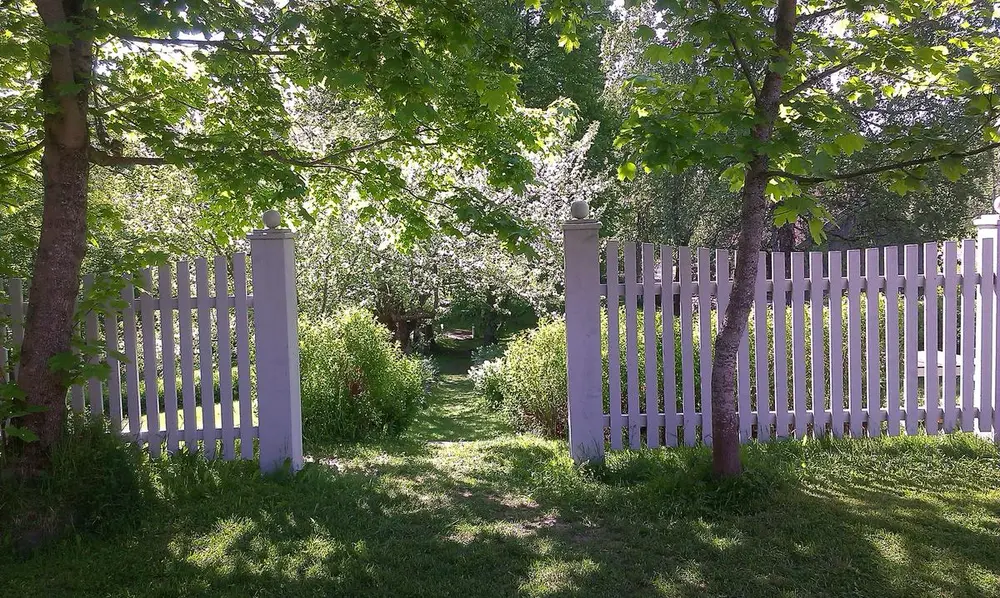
928, 365
187, 378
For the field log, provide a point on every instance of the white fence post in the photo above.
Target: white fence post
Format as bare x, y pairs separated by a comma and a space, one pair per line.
985, 376
583, 335
275, 317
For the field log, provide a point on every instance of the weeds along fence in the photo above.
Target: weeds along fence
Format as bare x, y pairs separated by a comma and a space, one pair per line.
882, 341
198, 355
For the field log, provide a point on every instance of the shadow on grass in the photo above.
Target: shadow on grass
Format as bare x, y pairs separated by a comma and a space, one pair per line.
513, 516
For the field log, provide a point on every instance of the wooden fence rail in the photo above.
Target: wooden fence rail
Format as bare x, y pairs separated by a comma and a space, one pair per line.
872, 342
155, 336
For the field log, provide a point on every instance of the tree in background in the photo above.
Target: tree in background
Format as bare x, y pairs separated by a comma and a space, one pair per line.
467, 276
775, 108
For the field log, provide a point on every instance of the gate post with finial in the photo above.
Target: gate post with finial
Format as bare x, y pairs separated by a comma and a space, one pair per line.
583, 334
275, 318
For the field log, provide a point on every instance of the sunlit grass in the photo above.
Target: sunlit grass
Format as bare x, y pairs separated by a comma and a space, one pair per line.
900, 517
509, 515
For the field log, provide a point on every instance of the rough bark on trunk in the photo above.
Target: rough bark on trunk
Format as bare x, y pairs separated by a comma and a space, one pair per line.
401, 334
725, 423
62, 244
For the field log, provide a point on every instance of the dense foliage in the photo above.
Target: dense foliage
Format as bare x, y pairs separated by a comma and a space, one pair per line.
356, 384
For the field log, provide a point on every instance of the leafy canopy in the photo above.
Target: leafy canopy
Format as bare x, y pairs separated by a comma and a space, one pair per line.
870, 77
266, 101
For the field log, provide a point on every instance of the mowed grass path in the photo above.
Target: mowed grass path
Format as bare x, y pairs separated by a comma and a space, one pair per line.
513, 516
454, 413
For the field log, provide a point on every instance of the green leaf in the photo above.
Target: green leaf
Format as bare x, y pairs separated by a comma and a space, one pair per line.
657, 53
495, 99
22, 433
817, 230
626, 171
645, 33
735, 174
953, 168
850, 143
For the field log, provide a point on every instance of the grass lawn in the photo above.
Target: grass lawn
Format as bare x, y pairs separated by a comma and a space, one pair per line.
512, 516
454, 413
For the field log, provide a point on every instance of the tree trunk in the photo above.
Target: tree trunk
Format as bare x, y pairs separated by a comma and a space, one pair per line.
401, 334
62, 244
725, 424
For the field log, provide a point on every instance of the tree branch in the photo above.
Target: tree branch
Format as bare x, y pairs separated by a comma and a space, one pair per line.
102, 158
202, 43
747, 73
821, 13
820, 76
15, 157
880, 169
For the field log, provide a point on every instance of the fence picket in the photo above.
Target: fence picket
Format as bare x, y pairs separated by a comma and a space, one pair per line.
854, 282
111, 349
168, 359
762, 404
225, 357
991, 286
631, 346
910, 257
873, 366
993, 417
817, 351
186, 333
684, 274
949, 334
780, 283
667, 347
705, 340
836, 302
931, 376
984, 353
95, 390
614, 348
149, 364
892, 382
204, 301
650, 360
130, 336
799, 343
969, 273
243, 355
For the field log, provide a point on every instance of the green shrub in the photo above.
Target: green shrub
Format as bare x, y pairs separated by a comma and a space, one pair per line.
533, 380
356, 384
534, 366
484, 353
487, 378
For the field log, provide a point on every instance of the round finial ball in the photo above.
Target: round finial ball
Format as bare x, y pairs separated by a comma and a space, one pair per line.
579, 209
272, 219
996, 204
